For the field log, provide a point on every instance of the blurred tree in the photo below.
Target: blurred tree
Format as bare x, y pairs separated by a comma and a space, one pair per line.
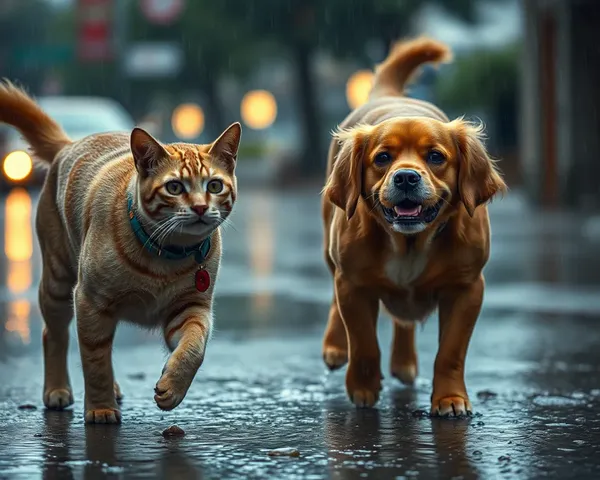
213, 45
23, 28
210, 50
83, 78
301, 27
487, 80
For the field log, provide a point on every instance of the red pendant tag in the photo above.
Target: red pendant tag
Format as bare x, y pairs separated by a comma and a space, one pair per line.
202, 280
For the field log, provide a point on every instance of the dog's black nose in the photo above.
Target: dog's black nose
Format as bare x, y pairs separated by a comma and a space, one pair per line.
406, 178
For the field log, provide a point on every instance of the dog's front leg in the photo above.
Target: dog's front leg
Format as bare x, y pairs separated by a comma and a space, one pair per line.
186, 335
359, 308
458, 312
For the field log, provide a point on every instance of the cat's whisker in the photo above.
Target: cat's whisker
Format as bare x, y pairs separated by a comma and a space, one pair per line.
226, 222
165, 234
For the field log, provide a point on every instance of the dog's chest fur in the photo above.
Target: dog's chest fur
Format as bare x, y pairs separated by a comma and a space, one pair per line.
405, 302
405, 269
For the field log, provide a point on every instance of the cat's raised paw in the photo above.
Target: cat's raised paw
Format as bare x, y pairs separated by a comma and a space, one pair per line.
58, 398
168, 392
103, 415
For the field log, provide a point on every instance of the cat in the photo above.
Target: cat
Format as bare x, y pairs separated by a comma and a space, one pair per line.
129, 230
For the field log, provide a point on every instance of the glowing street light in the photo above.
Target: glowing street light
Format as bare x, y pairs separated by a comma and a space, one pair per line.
17, 165
258, 109
358, 88
187, 121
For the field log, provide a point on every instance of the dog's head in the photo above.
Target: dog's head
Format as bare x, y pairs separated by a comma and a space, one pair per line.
409, 170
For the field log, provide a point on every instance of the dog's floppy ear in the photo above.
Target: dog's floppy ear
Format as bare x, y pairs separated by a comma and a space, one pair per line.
344, 185
478, 178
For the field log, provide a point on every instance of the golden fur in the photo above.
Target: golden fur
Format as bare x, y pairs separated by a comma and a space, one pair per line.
94, 263
409, 268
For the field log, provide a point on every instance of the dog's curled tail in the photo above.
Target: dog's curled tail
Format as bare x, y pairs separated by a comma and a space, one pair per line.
403, 62
43, 134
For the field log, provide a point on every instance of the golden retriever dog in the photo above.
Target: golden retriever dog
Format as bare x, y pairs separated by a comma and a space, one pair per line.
406, 227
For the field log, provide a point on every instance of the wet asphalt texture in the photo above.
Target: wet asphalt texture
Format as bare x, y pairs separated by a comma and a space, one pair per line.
533, 370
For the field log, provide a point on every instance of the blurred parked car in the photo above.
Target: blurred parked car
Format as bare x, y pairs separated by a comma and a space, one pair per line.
78, 116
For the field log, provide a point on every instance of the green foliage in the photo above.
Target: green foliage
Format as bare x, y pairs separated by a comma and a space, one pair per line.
487, 81
340, 26
480, 79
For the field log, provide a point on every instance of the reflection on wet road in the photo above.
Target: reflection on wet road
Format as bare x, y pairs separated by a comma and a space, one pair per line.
533, 369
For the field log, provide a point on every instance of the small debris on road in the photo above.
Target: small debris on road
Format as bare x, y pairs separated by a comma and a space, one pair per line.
420, 414
486, 395
284, 452
173, 431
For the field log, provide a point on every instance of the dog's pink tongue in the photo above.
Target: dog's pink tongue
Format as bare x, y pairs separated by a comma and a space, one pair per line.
407, 212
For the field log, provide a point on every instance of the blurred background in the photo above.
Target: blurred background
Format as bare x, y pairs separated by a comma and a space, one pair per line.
290, 71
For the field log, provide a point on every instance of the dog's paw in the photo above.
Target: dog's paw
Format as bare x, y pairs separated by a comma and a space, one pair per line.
334, 357
406, 373
363, 398
363, 384
58, 398
103, 415
451, 406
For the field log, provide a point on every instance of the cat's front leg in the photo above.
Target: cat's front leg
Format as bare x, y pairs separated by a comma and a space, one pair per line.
186, 335
95, 330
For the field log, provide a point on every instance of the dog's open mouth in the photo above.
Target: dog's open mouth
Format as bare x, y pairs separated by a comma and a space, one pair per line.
408, 211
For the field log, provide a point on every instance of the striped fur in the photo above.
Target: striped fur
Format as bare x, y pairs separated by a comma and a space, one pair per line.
94, 265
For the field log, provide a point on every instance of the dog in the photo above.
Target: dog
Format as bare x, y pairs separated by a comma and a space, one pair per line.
406, 226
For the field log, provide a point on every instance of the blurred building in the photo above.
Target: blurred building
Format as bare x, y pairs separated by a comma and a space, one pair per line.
561, 102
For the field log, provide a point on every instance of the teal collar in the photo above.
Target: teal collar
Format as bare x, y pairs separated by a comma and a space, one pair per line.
169, 252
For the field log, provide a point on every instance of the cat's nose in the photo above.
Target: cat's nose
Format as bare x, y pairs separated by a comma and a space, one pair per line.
200, 209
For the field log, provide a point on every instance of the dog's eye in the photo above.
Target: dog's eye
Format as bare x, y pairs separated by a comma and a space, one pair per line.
435, 157
383, 158
174, 187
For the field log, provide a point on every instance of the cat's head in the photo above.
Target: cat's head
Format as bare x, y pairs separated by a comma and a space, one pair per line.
186, 188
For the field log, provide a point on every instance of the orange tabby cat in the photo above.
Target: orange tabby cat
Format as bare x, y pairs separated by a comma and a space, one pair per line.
128, 229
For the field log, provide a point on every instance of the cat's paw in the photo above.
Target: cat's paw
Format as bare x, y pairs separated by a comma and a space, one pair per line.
103, 415
58, 398
170, 390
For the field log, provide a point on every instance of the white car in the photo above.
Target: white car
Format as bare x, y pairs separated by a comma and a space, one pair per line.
78, 116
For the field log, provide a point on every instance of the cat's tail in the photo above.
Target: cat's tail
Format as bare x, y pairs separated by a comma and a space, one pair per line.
43, 134
404, 61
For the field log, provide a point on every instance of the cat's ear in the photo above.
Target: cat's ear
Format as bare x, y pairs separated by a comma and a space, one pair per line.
225, 148
147, 151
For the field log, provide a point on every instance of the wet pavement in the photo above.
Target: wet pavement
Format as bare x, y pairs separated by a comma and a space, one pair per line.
533, 369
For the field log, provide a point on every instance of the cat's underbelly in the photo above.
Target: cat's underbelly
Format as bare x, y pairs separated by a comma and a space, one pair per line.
146, 311
145, 314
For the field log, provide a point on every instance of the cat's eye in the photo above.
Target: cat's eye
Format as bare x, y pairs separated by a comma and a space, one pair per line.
215, 186
174, 187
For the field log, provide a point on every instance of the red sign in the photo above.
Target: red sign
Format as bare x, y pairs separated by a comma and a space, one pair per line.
162, 12
95, 25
